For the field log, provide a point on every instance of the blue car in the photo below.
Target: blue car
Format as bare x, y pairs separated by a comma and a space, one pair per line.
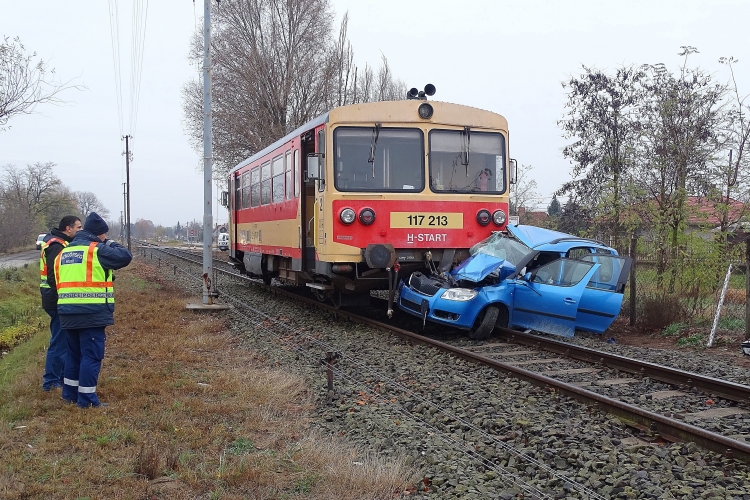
528, 278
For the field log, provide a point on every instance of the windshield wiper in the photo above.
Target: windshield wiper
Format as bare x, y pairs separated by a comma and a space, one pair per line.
465, 143
373, 145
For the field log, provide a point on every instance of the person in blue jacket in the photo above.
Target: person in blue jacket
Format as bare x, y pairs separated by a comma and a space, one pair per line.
86, 305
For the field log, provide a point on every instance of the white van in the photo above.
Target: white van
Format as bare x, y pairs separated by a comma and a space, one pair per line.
223, 242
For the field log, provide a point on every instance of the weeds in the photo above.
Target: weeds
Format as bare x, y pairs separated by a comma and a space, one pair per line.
674, 329
188, 404
693, 340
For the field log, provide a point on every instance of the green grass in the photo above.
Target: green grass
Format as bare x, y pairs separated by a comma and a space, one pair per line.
694, 340
731, 323
674, 329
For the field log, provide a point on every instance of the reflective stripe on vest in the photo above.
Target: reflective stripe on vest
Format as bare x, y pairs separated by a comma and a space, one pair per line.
81, 279
43, 268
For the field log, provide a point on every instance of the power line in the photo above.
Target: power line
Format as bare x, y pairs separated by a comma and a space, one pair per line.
114, 24
140, 19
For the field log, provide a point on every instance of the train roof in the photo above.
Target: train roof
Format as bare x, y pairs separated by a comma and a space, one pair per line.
288, 137
445, 113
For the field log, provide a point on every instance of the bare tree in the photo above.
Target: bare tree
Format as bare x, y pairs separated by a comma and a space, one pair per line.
26, 82
87, 202
275, 66
31, 188
523, 193
31, 200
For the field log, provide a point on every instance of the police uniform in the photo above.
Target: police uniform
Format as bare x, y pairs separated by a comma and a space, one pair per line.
52, 244
86, 305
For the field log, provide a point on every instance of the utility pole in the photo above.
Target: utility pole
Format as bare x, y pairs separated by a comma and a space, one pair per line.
127, 180
209, 287
122, 214
207, 159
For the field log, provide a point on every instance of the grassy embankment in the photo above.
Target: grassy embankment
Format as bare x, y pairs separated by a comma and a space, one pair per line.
193, 413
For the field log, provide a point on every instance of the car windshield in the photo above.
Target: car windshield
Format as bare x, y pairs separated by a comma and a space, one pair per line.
501, 246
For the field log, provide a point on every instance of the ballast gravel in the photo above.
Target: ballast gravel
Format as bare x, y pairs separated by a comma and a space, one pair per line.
470, 432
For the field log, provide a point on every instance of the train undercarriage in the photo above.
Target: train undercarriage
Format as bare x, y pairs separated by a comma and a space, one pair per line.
350, 283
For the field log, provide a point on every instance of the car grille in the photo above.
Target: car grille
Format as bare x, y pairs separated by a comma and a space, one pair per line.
411, 305
424, 285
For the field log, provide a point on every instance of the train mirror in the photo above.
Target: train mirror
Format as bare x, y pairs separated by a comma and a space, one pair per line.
513, 171
225, 198
312, 172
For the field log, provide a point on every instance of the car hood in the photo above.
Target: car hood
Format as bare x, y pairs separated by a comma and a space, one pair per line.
479, 266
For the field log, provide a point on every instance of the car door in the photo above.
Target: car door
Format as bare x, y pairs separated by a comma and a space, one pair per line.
602, 298
547, 299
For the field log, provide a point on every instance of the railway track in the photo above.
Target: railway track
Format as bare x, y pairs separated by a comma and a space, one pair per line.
592, 377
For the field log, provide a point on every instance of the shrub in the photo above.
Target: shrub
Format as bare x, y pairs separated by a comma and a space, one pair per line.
657, 311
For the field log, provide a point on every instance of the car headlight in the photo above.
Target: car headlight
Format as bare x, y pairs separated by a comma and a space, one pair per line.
459, 294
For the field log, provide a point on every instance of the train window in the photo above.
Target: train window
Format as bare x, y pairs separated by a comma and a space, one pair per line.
255, 190
289, 178
246, 190
238, 192
398, 159
265, 183
278, 179
296, 173
485, 171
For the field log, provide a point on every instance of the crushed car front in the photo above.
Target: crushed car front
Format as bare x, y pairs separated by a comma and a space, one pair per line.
457, 297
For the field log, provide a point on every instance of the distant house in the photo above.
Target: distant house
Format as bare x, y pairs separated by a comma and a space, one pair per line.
532, 218
705, 213
704, 217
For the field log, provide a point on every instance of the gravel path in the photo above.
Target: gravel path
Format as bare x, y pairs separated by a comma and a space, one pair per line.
471, 432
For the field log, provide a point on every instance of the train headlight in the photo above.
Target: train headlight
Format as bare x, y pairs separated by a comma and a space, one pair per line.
347, 216
483, 217
498, 217
367, 216
459, 294
425, 111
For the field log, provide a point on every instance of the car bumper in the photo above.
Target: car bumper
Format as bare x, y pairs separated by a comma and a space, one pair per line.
458, 314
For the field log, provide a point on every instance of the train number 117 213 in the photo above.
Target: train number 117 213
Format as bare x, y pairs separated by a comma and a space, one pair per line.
428, 220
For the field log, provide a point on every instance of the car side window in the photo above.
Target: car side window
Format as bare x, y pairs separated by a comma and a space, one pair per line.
562, 272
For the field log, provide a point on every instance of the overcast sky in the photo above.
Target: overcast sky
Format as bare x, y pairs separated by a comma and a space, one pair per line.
509, 57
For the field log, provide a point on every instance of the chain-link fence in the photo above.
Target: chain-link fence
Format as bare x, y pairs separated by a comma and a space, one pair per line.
679, 291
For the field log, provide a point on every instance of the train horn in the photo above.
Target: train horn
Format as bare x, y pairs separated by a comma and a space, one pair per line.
412, 93
429, 89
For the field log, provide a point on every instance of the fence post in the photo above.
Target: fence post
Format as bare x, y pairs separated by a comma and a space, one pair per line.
633, 250
718, 308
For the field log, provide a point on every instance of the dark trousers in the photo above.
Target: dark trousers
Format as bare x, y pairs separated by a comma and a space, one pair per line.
82, 365
53, 367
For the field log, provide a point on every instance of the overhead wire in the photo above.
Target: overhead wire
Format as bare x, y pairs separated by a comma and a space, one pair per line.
114, 23
140, 20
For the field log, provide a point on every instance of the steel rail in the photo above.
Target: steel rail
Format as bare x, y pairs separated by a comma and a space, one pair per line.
667, 428
709, 385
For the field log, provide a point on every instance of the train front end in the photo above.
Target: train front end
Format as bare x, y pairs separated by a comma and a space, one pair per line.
407, 185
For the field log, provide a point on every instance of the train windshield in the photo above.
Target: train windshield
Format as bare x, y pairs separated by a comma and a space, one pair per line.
378, 159
467, 161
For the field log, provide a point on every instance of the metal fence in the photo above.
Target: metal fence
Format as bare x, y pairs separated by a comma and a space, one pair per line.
683, 289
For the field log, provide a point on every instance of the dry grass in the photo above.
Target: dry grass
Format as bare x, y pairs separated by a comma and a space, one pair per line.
193, 414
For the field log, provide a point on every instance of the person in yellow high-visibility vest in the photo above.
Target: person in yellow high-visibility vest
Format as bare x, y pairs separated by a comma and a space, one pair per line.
52, 244
86, 305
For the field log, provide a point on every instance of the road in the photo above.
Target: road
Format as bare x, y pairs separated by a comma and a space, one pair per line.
30, 257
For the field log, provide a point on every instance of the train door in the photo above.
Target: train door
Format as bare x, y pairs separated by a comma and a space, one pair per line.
308, 207
232, 188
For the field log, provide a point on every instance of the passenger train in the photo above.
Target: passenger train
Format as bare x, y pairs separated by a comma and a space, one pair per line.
368, 193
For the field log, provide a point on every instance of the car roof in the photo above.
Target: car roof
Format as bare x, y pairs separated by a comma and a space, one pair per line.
543, 239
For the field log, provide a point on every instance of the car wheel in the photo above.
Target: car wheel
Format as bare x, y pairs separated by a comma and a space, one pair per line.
485, 323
